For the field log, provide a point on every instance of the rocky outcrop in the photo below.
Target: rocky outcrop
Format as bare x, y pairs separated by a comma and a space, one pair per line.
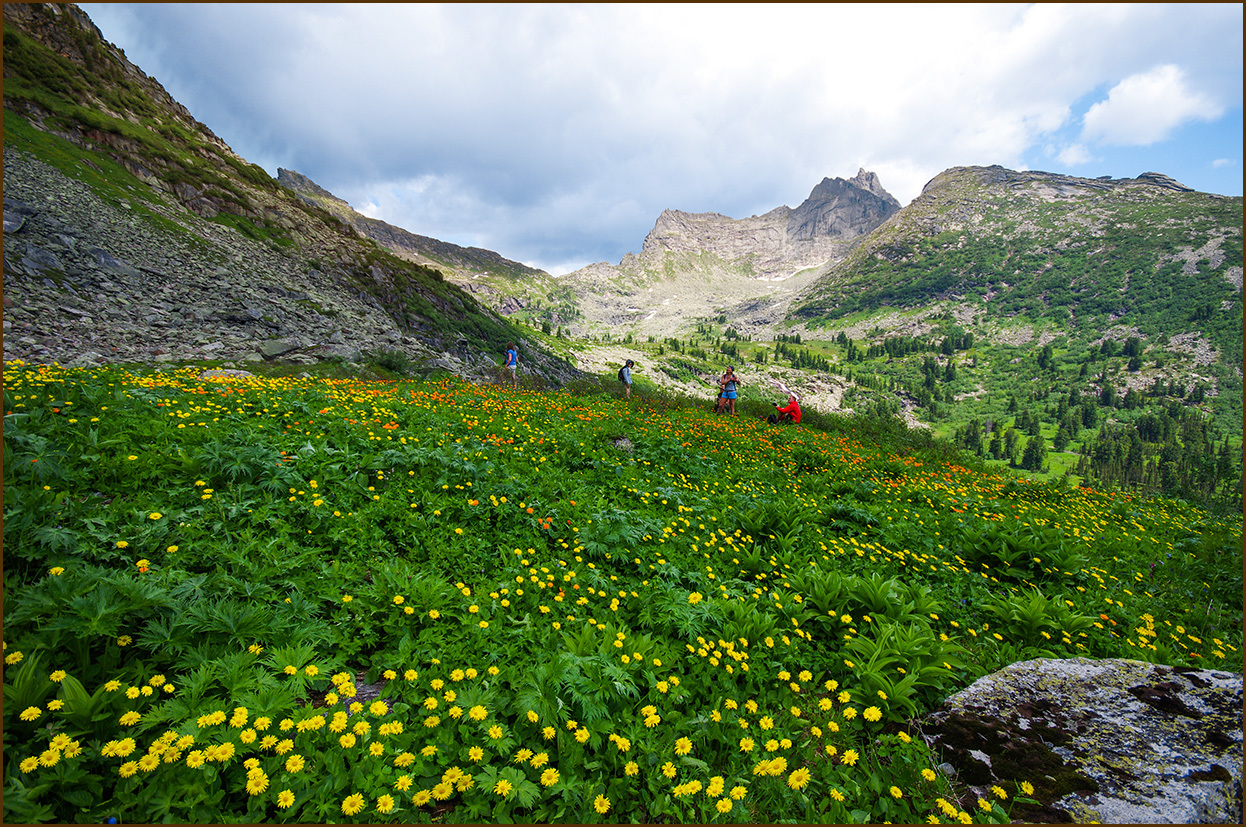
823, 227
1109, 741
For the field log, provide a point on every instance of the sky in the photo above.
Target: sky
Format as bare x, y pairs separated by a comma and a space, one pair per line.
555, 135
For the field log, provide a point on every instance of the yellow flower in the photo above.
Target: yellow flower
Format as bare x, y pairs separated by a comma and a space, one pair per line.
477, 713
799, 778
127, 769
601, 804
155, 515
495, 732
403, 783
1027, 788
29, 764
723, 805
548, 733
669, 770
295, 763
475, 753
57, 676
503, 787
421, 798
285, 799
928, 774
999, 792
549, 778
631, 768
256, 782
896, 792
352, 804
746, 744
872, 713
399, 600
30, 713
49, 757
539, 760
582, 735
385, 803
443, 790
837, 795
850, 757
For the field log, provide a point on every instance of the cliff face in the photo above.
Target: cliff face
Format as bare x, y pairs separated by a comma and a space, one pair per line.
824, 227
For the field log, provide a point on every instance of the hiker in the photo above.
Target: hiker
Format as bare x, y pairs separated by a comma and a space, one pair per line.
625, 376
729, 383
790, 413
512, 363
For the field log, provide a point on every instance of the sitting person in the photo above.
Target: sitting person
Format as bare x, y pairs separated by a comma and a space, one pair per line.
790, 413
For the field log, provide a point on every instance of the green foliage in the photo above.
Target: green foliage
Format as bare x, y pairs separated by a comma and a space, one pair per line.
513, 582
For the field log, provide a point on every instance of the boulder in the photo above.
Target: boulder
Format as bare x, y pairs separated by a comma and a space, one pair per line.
1109, 741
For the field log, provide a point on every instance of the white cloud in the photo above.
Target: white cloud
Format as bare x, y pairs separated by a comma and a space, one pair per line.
1145, 108
1074, 155
558, 133
1223, 162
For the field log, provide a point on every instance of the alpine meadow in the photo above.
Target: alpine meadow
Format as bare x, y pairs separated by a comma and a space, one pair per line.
283, 544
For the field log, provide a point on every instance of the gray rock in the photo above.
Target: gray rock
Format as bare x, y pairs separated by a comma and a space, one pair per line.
111, 264
1112, 741
38, 259
278, 347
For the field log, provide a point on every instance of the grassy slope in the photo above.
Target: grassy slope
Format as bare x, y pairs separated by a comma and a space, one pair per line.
530, 532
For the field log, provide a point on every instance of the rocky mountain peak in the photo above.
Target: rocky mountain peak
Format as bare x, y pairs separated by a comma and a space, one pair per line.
842, 208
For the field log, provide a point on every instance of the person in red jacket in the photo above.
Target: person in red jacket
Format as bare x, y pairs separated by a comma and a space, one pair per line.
790, 413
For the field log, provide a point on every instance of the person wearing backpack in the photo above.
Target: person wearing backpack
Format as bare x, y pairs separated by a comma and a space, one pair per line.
625, 376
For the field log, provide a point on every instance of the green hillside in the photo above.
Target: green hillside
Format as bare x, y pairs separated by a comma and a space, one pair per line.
536, 606
1082, 258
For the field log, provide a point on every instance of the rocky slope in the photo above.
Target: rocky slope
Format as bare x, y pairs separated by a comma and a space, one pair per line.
694, 266
132, 232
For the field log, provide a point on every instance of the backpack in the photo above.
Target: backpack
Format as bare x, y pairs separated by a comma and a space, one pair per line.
621, 379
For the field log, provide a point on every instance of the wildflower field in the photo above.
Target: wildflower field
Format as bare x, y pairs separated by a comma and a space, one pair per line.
576, 609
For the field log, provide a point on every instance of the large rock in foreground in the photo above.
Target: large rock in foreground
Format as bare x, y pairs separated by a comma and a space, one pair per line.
1113, 741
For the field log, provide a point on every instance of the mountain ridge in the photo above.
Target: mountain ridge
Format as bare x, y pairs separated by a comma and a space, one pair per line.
166, 195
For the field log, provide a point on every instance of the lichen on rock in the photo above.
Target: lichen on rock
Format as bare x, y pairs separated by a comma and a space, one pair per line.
1113, 741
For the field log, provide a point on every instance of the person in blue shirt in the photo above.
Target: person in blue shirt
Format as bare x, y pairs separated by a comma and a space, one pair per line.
512, 363
729, 383
625, 376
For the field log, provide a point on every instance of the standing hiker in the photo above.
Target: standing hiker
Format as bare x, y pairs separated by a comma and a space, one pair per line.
512, 363
729, 383
625, 376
